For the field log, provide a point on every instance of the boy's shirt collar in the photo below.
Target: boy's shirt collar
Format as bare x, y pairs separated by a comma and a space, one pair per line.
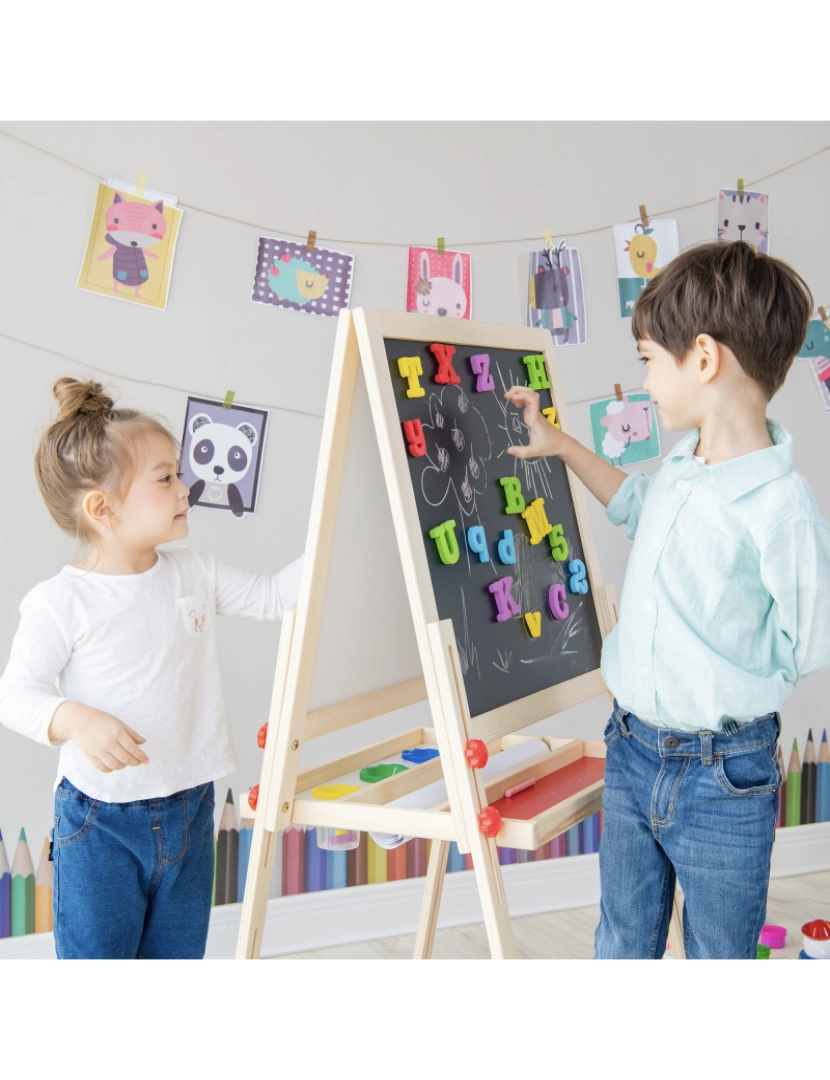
743, 474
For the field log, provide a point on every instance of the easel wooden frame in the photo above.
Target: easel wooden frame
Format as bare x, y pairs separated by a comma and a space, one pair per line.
360, 342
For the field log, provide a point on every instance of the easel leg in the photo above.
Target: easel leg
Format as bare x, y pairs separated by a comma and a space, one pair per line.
678, 949
431, 903
255, 903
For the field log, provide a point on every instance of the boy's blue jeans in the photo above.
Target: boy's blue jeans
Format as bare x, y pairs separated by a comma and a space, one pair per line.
132, 880
697, 806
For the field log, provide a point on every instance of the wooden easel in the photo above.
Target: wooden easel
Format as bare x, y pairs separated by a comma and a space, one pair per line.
360, 343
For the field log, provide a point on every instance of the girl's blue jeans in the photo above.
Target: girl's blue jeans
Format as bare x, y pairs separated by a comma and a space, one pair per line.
697, 807
132, 880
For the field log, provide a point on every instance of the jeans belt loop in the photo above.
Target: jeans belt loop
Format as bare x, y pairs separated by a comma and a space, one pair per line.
706, 748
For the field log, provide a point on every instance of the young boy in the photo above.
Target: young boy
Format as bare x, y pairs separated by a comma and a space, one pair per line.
725, 606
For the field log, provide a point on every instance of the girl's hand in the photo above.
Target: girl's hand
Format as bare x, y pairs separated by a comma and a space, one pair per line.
545, 439
103, 739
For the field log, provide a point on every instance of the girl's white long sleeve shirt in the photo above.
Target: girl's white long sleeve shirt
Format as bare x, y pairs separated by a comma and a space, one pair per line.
143, 648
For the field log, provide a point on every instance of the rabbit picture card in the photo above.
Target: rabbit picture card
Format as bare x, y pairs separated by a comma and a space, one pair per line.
132, 241
287, 275
439, 283
642, 252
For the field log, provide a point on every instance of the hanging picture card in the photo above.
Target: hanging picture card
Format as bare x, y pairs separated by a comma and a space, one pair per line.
439, 283
287, 275
641, 252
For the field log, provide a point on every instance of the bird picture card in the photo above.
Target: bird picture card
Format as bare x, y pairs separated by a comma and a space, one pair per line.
625, 432
642, 251
439, 283
744, 215
816, 351
555, 298
222, 454
288, 275
132, 241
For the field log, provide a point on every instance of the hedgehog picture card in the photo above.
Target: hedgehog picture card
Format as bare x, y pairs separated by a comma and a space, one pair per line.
554, 296
287, 275
222, 454
641, 252
439, 283
625, 431
132, 241
743, 215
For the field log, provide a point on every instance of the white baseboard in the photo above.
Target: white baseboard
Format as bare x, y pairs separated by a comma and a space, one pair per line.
339, 916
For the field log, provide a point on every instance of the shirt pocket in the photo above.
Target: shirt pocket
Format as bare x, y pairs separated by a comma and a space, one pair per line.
196, 614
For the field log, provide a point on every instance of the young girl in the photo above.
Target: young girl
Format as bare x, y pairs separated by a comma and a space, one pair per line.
128, 635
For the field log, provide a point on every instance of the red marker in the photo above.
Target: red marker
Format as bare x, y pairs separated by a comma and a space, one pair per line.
519, 787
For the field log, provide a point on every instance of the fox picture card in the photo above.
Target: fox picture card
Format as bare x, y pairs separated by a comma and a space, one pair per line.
744, 215
439, 283
222, 454
555, 297
642, 252
625, 432
287, 275
132, 241
816, 351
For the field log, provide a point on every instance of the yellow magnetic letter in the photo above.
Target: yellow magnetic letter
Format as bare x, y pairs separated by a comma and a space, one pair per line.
410, 368
551, 415
534, 623
537, 521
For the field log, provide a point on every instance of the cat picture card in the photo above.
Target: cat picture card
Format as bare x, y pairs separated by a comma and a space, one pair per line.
554, 295
625, 432
439, 283
744, 215
641, 252
222, 454
287, 275
132, 241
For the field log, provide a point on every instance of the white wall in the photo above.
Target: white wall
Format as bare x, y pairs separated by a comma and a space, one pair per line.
406, 183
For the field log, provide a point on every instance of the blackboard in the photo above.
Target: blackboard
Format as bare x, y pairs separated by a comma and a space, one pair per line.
466, 432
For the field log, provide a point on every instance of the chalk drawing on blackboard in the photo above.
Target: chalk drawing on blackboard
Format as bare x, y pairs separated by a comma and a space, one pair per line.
505, 660
567, 631
537, 471
467, 653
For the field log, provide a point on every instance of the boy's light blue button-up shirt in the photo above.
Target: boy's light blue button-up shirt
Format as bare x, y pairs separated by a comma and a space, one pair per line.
726, 601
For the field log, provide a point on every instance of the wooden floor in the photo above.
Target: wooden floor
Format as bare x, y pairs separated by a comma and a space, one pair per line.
569, 935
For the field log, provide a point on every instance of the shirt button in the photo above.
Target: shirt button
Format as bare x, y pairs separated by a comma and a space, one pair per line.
647, 609
644, 670
681, 485
671, 743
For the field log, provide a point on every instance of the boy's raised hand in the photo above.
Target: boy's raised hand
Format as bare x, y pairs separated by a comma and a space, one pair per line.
545, 439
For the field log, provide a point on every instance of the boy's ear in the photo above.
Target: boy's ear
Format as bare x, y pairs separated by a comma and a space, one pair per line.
709, 356
97, 510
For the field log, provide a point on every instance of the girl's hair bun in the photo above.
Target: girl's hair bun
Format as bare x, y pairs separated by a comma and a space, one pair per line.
76, 398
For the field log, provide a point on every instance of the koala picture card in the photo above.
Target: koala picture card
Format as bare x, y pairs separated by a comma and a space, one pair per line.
641, 252
439, 283
625, 432
317, 282
222, 454
744, 215
555, 297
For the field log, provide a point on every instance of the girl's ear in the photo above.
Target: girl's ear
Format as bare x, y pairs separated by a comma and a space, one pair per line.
96, 509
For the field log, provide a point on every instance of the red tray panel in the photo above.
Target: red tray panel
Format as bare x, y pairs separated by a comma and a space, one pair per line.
552, 789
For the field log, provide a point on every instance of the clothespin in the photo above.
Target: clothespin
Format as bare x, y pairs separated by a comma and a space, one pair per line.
823, 316
548, 240
141, 184
644, 217
618, 391
740, 187
440, 245
311, 240
229, 396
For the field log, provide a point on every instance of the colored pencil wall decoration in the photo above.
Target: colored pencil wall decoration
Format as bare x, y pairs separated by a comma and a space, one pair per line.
23, 889
822, 780
43, 892
246, 834
808, 782
227, 854
782, 792
5, 892
794, 787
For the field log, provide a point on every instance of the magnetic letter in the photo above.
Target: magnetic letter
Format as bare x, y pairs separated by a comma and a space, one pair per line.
410, 368
445, 541
558, 544
534, 623
415, 437
480, 363
536, 371
556, 599
477, 542
504, 601
446, 372
515, 502
551, 415
578, 582
537, 521
507, 549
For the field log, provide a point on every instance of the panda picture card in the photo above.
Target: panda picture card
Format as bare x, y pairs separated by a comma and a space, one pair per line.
222, 454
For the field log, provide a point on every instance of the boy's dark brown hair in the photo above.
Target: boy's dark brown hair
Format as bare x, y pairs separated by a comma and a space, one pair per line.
757, 306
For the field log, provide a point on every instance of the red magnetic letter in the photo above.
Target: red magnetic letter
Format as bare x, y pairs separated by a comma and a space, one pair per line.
446, 372
415, 437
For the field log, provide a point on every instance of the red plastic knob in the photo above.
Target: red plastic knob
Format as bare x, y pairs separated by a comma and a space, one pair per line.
489, 822
253, 796
262, 735
476, 753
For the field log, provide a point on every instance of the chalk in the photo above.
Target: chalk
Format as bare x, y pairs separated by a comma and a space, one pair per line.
519, 787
